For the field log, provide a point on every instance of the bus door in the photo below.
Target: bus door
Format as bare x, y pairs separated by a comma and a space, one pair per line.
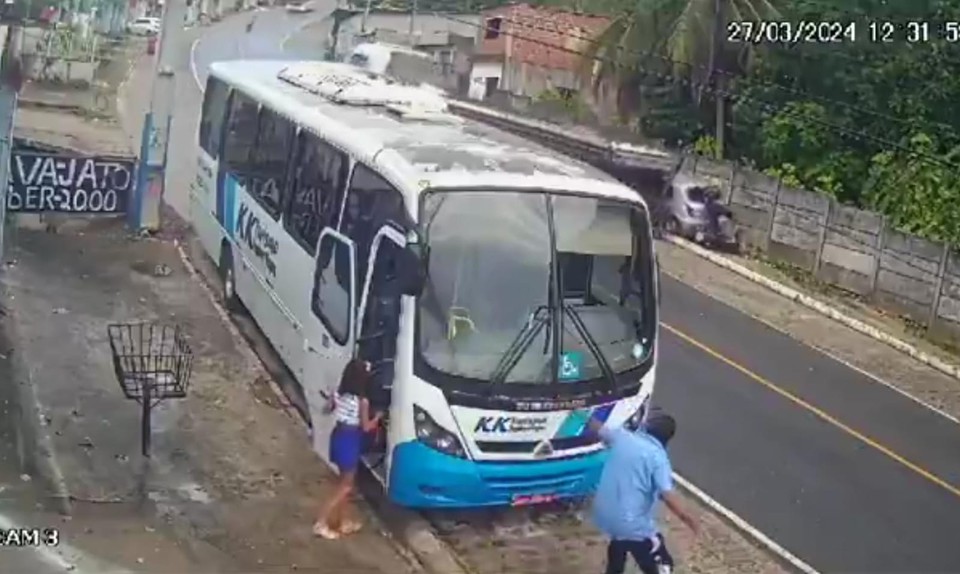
379, 321
330, 331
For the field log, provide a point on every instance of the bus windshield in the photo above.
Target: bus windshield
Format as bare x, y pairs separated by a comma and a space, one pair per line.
535, 288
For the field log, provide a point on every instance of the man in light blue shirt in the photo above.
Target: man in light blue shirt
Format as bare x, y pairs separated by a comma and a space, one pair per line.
636, 475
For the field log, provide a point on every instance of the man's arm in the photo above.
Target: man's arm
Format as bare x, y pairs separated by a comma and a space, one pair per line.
672, 500
663, 481
607, 434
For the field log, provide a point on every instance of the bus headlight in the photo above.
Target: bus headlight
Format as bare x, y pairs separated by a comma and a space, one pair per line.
435, 436
636, 419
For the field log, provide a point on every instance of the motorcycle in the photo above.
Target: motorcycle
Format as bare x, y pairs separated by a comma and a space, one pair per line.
691, 209
724, 234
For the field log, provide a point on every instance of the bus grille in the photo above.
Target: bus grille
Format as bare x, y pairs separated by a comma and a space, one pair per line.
525, 447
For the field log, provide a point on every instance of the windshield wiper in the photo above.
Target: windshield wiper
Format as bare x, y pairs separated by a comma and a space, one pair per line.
511, 357
538, 320
592, 345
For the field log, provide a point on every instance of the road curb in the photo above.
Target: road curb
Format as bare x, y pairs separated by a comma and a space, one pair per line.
412, 531
765, 542
820, 307
300, 28
34, 445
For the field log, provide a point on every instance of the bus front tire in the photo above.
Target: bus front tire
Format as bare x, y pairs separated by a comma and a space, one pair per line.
228, 281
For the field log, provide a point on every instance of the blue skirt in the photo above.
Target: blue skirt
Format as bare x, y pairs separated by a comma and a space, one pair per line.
346, 442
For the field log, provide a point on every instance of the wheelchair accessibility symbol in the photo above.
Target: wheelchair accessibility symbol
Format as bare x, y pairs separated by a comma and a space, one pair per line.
570, 366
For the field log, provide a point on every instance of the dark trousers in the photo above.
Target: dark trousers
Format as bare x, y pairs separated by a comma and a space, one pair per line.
651, 555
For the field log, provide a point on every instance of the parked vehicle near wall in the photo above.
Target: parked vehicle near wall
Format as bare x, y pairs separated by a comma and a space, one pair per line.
146, 26
299, 7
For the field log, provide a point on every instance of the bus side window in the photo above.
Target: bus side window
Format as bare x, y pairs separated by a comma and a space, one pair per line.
319, 177
371, 202
211, 121
241, 133
331, 288
269, 159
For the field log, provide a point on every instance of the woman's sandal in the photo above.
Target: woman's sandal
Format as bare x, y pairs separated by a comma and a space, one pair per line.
321, 529
350, 527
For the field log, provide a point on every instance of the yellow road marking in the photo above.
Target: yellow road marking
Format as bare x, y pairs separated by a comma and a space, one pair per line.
815, 410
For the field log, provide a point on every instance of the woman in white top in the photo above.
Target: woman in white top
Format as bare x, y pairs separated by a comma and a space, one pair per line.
352, 410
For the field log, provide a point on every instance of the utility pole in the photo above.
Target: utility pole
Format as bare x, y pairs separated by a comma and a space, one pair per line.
413, 21
155, 138
716, 77
11, 80
363, 21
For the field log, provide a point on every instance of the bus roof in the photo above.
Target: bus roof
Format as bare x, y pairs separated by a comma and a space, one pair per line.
433, 149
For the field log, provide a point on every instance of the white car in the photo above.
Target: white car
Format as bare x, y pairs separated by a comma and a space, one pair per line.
299, 7
144, 27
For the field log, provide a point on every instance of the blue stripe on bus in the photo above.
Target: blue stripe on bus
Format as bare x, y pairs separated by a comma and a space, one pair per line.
576, 422
229, 221
602, 413
220, 185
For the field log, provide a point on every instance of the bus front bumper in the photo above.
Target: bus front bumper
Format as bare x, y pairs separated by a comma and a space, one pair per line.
421, 477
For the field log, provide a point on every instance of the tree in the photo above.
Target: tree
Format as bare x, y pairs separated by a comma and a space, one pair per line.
685, 38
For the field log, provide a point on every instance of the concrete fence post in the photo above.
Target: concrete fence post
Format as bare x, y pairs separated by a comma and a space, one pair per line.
733, 178
824, 224
878, 254
773, 212
938, 289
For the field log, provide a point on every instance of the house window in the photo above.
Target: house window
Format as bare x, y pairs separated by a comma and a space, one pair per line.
493, 28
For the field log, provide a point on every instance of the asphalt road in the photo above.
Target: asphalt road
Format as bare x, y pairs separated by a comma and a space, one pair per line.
843, 472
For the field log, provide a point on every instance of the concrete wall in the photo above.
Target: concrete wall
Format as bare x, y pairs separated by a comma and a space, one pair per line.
847, 247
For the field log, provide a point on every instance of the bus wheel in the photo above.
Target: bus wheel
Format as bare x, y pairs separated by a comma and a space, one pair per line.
228, 279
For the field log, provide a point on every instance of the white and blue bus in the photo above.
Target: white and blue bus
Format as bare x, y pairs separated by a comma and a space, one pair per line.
502, 292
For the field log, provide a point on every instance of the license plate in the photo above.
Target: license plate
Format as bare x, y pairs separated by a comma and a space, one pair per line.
529, 499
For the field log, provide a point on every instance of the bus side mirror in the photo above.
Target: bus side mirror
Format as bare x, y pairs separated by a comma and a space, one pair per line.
411, 271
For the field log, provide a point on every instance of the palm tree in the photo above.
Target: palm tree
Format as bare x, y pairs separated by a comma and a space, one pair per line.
685, 38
